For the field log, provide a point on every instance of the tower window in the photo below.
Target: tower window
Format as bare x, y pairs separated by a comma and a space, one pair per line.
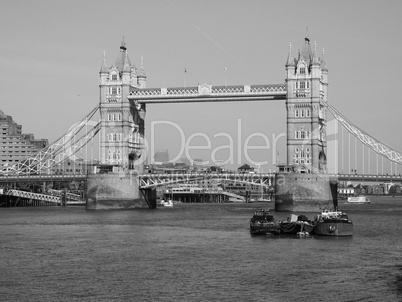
114, 77
302, 70
297, 113
302, 85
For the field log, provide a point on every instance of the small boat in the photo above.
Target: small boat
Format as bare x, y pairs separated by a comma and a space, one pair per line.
167, 203
358, 199
262, 223
263, 199
296, 224
333, 223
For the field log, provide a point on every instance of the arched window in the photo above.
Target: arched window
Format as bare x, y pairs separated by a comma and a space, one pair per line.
297, 113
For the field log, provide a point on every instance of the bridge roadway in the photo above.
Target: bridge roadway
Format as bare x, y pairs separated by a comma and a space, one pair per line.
154, 180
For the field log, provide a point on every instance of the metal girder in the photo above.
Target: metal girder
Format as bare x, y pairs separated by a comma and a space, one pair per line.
35, 196
57, 152
158, 180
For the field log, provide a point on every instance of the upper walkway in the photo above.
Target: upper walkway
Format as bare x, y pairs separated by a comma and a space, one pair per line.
209, 93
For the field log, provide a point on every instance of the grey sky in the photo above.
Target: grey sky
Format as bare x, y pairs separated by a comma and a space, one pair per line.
51, 53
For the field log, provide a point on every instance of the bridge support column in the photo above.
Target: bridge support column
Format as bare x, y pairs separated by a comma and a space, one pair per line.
119, 190
304, 192
150, 197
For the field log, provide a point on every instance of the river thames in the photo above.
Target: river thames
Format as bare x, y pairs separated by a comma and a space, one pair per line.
196, 252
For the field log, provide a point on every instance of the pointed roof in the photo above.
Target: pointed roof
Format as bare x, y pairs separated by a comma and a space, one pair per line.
126, 64
141, 72
323, 64
104, 68
122, 56
307, 52
315, 61
290, 61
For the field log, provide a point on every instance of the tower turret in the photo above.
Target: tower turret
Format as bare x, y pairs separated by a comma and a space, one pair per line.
142, 78
117, 131
104, 71
306, 139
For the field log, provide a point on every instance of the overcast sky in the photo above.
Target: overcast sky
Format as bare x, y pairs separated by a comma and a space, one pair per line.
51, 53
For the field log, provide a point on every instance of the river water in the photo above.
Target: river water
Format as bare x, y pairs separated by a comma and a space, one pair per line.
195, 252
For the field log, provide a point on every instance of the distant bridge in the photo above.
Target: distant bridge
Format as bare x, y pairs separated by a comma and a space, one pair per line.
157, 180
42, 177
369, 177
45, 199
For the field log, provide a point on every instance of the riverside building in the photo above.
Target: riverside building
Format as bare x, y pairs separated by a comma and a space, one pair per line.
15, 145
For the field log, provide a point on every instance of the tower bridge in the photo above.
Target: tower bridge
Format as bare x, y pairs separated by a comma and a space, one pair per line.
124, 98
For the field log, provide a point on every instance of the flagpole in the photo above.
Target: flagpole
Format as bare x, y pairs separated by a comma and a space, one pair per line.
226, 80
185, 74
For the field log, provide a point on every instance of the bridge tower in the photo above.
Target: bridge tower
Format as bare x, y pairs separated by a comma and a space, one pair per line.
119, 137
305, 184
306, 83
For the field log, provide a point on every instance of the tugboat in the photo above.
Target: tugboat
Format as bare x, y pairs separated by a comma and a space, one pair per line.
333, 223
299, 225
263, 223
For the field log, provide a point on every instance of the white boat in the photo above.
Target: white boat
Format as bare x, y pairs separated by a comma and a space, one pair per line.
358, 199
167, 203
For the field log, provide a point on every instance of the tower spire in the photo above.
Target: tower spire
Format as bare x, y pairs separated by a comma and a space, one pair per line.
104, 68
307, 39
142, 70
323, 64
123, 45
126, 64
290, 61
316, 61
